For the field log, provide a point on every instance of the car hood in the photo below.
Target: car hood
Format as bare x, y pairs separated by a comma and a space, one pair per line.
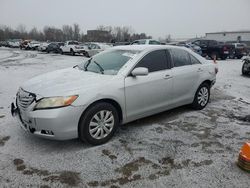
65, 82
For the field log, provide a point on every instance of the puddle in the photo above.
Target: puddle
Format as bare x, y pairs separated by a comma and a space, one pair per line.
65, 177
3, 140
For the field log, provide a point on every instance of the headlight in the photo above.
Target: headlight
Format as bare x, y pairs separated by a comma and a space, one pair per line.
55, 102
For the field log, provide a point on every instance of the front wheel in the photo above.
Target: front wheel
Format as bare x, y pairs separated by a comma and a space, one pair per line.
98, 124
223, 57
202, 97
239, 56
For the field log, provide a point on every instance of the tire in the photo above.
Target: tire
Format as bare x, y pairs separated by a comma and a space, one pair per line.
72, 52
86, 54
244, 72
201, 97
239, 57
223, 57
61, 52
93, 116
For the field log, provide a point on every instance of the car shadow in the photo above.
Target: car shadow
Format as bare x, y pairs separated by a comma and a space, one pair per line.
246, 75
165, 116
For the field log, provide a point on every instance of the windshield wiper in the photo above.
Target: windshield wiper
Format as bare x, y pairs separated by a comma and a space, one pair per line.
100, 67
76, 66
86, 65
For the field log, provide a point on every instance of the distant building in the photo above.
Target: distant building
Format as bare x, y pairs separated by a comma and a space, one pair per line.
98, 36
230, 36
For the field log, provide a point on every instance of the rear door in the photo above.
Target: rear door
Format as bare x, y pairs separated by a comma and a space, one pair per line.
146, 95
186, 77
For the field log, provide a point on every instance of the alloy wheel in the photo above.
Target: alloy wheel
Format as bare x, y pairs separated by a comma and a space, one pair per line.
203, 96
101, 124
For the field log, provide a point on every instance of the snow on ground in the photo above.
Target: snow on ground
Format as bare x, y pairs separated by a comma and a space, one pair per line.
230, 80
177, 148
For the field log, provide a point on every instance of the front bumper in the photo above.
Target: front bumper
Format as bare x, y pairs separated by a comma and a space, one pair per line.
56, 124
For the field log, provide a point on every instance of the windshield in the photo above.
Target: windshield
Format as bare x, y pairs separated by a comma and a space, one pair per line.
109, 62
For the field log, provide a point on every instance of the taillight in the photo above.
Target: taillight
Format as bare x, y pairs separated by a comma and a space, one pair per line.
224, 48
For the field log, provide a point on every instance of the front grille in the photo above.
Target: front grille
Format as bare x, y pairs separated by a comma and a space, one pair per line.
24, 99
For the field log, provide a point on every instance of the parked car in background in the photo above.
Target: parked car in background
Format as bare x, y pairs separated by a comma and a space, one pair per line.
54, 47
116, 86
212, 48
33, 45
95, 48
121, 43
146, 41
191, 46
14, 43
24, 44
4, 43
43, 46
238, 50
72, 47
246, 66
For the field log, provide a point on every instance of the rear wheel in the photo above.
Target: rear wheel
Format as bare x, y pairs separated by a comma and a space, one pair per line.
244, 69
72, 52
98, 124
202, 97
223, 57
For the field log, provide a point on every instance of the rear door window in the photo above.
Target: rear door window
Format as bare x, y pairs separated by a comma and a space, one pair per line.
180, 57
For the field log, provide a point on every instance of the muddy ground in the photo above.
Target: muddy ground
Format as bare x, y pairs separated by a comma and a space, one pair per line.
176, 148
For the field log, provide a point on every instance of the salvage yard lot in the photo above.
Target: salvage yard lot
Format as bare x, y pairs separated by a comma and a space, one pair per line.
177, 148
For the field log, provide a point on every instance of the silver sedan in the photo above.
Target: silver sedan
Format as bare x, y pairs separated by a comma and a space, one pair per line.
119, 85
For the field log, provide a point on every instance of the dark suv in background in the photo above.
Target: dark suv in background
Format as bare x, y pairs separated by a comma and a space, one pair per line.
54, 47
212, 48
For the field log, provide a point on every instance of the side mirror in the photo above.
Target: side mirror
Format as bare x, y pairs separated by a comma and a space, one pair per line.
140, 71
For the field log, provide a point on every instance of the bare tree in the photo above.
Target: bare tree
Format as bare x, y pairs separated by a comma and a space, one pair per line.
67, 32
76, 32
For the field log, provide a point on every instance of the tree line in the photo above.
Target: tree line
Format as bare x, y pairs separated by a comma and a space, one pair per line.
71, 32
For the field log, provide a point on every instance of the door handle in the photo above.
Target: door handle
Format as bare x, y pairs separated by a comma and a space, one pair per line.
167, 76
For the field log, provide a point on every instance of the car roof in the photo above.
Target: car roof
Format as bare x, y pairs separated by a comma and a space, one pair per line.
147, 47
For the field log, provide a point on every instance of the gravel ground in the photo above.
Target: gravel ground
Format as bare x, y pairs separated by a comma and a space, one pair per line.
177, 148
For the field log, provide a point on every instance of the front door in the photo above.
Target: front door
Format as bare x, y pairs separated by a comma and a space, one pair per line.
146, 95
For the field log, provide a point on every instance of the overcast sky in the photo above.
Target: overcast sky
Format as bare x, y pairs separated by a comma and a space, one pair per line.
158, 18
